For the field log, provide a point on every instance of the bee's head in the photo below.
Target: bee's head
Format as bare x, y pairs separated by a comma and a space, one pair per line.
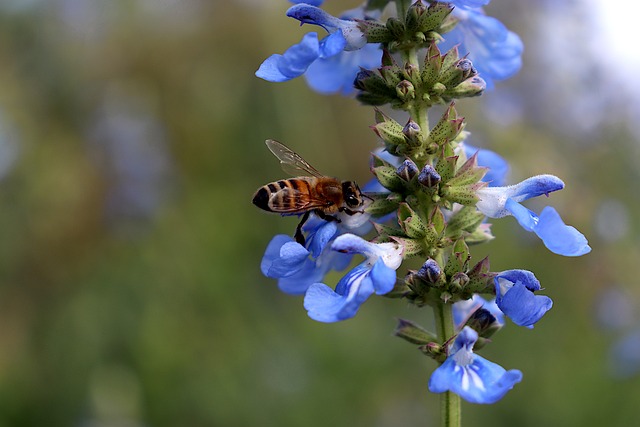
352, 194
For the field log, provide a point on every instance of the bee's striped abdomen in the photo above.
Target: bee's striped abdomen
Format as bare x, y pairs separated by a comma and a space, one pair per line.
282, 196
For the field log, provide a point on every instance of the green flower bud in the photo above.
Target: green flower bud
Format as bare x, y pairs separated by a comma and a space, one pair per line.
405, 90
474, 86
413, 18
435, 351
396, 28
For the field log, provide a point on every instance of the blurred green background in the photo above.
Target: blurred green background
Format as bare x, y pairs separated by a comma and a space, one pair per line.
131, 142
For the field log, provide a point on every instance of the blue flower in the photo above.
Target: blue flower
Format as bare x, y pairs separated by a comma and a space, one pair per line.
329, 65
377, 274
495, 51
472, 377
515, 297
559, 238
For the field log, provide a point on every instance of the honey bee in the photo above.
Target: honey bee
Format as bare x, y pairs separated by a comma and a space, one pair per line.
310, 191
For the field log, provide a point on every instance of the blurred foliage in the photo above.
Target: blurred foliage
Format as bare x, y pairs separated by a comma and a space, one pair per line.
130, 294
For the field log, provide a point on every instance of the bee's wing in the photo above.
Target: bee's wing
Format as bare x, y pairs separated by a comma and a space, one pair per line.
291, 201
290, 161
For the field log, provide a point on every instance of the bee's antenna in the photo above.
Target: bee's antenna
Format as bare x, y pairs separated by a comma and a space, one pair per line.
370, 198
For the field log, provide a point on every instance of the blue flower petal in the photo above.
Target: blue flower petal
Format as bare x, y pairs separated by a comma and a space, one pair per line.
535, 186
299, 282
332, 45
311, 2
464, 4
336, 74
560, 238
522, 306
383, 277
283, 257
515, 297
527, 278
293, 63
495, 51
525, 217
318, 239
306, 14
325, 305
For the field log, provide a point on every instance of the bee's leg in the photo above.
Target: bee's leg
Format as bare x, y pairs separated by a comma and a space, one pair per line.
326, 217
299, 236
349, 211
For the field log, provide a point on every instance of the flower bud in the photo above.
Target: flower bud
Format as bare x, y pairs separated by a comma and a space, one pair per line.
433, 350
414, 13
484, 323
428, 176
412, 73
362, 76
407, 170
459, 281
466, 66
405, 90
474, 86
431, 272
396, 27
412, 133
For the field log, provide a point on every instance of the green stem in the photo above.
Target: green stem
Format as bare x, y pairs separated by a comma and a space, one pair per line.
450, 404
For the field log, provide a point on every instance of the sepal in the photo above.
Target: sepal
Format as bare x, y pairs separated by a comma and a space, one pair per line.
412, 247
410, 222
481, 280
413, 333
391, 132
383, 203
448, 127
458, 259
463, 194
464, 221
375, 31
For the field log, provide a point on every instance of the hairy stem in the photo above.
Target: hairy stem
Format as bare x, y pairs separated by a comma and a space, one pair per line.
450, 404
